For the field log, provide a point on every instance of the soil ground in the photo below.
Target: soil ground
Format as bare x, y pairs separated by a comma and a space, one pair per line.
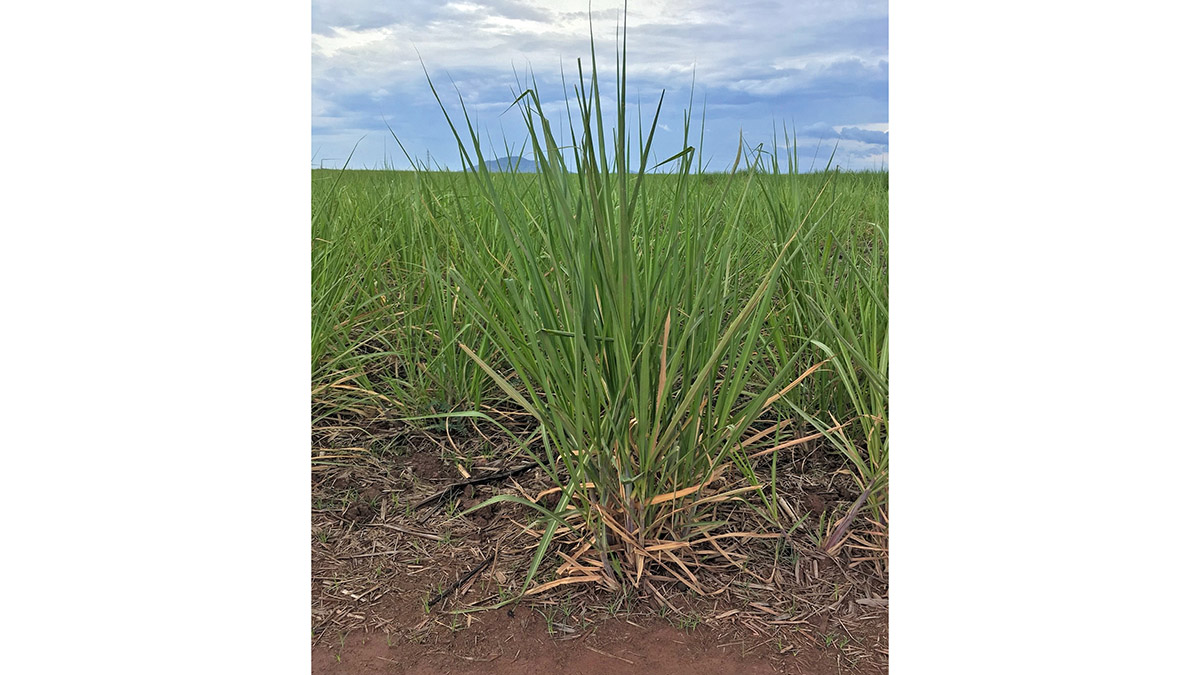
378, 561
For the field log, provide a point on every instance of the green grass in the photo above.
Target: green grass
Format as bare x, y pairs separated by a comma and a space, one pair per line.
646, 323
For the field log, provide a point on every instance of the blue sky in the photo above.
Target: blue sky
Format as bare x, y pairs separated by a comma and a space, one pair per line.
818, 67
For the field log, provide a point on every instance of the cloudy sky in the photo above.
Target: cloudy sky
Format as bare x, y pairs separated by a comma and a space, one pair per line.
820, 67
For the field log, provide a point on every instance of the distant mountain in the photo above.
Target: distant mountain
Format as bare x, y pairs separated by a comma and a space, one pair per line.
520, 164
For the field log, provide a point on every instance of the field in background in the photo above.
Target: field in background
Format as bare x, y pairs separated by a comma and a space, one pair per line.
387, 323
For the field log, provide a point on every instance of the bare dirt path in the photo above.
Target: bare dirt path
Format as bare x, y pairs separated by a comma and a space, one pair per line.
379, 559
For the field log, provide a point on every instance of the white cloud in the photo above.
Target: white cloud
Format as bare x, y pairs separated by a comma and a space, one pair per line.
346, 39
666, 40
868, 126
467, 7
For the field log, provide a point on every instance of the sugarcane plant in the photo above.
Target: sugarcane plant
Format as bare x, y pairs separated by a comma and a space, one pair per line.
625, 323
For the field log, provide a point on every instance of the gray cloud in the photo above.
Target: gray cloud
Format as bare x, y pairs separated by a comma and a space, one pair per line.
865, 136
819, 130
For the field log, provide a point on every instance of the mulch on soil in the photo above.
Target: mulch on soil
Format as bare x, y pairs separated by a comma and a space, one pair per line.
394, 565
